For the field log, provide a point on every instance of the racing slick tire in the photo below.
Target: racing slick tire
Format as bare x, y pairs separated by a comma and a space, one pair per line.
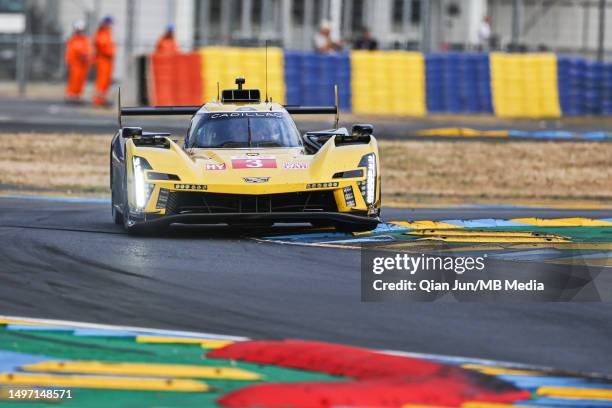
117, 215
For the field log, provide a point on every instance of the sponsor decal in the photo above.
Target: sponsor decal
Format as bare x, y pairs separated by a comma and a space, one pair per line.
296, 165
253, 163
215, 166
278, 115
256, 179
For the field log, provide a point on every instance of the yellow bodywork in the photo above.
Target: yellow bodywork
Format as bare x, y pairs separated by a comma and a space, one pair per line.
212, 170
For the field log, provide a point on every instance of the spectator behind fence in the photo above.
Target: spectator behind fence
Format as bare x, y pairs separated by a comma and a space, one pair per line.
323, 41
484, 34
105, 55
78, 57
365, 41
167, 43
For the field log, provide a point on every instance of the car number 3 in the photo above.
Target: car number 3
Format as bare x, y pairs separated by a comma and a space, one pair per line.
254, 163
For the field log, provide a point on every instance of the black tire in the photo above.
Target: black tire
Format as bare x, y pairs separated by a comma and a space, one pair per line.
117, 215
125, 217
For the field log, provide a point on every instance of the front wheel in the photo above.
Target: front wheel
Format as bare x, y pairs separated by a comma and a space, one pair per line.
117, 215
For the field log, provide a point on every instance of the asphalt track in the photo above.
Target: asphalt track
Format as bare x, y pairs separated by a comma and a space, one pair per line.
67, 260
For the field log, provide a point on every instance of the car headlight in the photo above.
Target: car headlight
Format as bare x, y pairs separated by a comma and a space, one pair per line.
142, 190
368, 186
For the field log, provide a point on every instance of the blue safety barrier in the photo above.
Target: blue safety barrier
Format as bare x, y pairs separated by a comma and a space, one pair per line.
585, 87
458, 83
310, 78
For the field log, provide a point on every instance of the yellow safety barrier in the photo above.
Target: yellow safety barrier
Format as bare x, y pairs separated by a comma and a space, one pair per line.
524, 85
390, 82
224, 64
144, 369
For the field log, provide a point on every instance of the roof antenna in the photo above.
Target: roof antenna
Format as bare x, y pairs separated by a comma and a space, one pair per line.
336, 103
266, 71
119, 108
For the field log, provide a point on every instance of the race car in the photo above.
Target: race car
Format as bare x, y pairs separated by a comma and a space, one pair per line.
244, 163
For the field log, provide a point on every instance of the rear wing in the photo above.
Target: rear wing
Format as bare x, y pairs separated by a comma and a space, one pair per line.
192, 110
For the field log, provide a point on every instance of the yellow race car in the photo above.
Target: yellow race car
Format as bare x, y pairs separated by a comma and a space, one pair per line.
243, 162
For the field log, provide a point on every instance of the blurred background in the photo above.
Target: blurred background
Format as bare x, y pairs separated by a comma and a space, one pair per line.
511, 78
33, 32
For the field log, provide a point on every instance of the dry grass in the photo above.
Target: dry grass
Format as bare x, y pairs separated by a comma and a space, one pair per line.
505, 169
441, 169
56, 162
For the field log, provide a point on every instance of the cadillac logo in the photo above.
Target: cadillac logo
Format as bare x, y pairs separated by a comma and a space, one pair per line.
256, 179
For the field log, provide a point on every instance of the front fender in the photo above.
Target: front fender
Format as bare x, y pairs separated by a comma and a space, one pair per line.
334, 159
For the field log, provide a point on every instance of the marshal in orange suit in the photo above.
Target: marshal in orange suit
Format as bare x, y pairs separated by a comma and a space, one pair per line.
105, 55
78, 58
167, 43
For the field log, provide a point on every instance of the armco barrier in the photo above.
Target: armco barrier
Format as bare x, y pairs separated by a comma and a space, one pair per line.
405, 83
388, 82
524, 85
175, 79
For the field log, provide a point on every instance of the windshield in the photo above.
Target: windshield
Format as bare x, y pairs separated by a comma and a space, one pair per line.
243, 129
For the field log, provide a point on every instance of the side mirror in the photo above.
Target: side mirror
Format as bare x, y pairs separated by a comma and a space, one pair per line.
363, 129
130, 132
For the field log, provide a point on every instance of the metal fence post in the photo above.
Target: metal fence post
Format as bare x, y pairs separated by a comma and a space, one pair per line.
425, 20
602, 30
516, 23
21, 65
